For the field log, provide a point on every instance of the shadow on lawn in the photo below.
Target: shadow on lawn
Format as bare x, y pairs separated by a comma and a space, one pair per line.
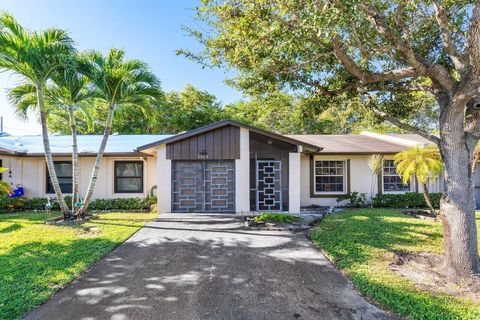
11, 228
350, 236
353, 239
32, 271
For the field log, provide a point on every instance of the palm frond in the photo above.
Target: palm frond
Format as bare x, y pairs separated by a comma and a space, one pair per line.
375, 162
422, 163
32, 54
23, 98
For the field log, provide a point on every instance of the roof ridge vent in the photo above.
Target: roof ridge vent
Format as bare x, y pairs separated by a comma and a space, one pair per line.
390, 138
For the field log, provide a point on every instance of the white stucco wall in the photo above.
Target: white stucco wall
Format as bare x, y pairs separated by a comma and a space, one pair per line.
242, 174
31, 174
360, 179
164, 180
294, 181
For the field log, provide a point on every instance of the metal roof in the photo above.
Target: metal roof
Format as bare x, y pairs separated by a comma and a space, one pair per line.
87, 144
364, 143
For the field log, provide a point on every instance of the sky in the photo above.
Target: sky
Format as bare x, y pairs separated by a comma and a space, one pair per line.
149, 30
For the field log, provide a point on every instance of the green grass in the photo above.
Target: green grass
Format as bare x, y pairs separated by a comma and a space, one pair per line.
359, 242
36, 259
275, 217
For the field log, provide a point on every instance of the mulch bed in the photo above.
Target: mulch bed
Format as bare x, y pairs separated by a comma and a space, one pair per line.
427, 272
59, 221
302, 224
422, 214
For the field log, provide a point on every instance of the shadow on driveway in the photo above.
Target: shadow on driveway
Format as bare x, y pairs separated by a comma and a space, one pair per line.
210, 267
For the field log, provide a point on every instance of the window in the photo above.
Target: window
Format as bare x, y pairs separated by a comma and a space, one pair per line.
391, 180
64, 175
128, 177
330, 177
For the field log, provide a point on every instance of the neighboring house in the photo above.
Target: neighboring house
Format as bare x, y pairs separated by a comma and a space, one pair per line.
223, 167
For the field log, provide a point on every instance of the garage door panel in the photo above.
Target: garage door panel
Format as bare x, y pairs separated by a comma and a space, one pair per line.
203, 186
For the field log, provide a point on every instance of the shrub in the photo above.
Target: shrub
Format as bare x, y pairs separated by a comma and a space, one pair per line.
355, 199
38, 204
275, 217
8, 204
136, 204
406, 200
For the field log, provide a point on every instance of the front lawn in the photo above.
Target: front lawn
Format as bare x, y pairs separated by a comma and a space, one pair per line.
36, 259
361, 242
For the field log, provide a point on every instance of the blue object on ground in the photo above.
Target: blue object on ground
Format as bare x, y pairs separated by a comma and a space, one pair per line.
18, 192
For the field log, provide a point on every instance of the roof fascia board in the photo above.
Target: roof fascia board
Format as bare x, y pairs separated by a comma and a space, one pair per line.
223, 123
107, 154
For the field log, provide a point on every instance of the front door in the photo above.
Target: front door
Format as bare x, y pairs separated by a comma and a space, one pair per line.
203, 186
269, 185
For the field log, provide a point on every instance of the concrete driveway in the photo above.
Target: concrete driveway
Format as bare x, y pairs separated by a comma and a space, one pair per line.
209, 267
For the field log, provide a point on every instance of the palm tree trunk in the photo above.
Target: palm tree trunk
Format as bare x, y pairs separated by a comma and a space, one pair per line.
426, 195
75, 163
372, 187
48, 155
96, 167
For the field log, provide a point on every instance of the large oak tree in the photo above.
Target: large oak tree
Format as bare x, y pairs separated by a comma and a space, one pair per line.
387, 52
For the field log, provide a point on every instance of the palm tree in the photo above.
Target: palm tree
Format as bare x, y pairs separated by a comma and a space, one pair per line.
422, 163
34, 56
375, 162
68, 92
120, 83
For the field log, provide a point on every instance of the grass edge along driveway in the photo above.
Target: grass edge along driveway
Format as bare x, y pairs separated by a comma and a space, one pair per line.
360, 243
36, 260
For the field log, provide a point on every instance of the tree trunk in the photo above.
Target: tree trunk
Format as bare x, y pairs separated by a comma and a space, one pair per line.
48, 156
75, 163
457, 206
372, 188
96, 167
426, 195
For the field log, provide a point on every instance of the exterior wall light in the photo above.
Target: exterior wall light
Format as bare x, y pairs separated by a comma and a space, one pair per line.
203, 154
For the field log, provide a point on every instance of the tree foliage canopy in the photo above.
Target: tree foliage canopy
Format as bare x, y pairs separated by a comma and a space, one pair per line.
388, 54
394, 54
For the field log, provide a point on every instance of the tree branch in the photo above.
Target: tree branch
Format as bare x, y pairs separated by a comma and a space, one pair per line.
474, 39
405, 126
366, 76
420, 64
404, 87
448, 43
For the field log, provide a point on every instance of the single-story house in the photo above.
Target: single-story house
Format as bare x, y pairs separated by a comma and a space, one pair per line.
223, 167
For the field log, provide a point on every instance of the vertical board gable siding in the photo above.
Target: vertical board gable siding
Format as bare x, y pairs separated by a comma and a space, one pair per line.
220, 144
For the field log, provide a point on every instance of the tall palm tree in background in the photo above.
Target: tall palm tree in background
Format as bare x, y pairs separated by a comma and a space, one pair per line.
34, 56
422, 164
67, 94
119, 83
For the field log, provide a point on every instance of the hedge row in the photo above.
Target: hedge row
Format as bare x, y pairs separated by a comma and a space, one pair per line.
8, 204
406, 200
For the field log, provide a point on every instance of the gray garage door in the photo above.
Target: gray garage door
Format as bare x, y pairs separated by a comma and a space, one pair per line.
203, 186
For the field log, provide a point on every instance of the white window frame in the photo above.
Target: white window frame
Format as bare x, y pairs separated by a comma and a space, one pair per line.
390, 175
345, 173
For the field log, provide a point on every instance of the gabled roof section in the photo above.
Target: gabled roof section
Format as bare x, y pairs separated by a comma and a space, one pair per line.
308, 146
